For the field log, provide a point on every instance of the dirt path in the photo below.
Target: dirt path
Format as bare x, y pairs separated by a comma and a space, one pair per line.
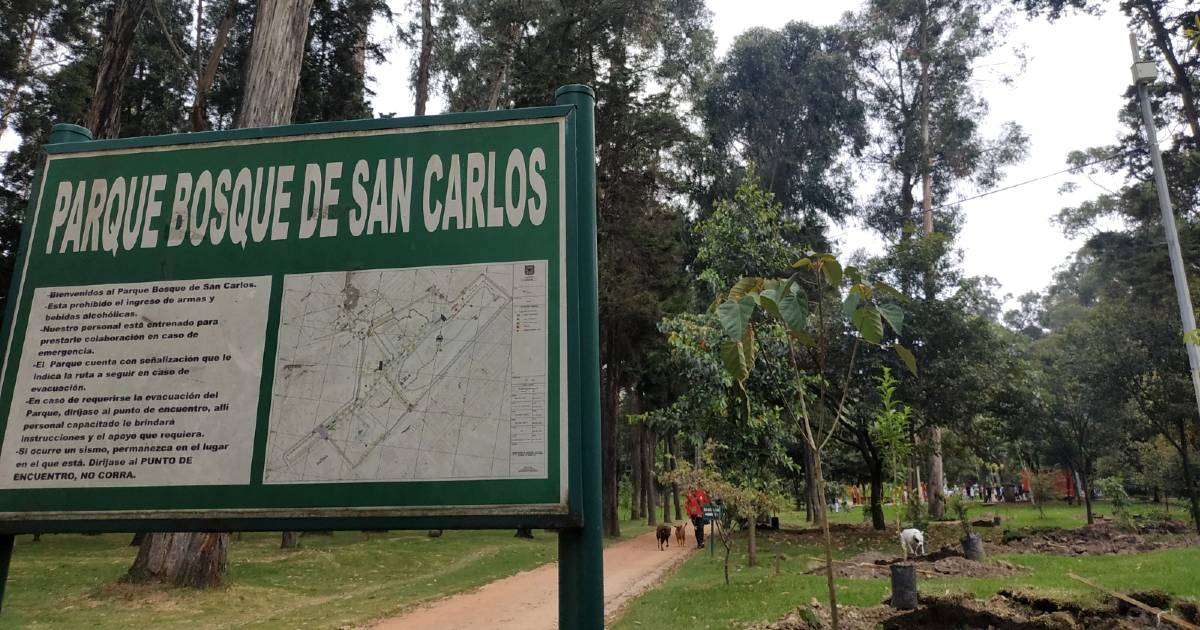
529, 600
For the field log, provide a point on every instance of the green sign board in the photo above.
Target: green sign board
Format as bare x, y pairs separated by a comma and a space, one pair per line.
308, 325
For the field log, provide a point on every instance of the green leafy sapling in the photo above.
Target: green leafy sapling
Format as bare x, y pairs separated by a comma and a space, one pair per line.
891, 430
800, 304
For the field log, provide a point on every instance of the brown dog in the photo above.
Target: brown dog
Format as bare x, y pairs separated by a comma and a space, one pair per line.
681, 533
663, 532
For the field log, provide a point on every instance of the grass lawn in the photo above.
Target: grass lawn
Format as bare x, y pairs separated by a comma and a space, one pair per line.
698, 597
71, 581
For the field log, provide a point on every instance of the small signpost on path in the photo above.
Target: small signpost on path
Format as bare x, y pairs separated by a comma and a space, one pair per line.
376, 324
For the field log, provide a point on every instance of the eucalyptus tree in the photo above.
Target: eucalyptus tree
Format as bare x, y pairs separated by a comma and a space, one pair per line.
919, 62
784, 101
643, 58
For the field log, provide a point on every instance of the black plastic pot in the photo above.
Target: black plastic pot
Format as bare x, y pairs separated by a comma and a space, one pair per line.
904, 586
972, 546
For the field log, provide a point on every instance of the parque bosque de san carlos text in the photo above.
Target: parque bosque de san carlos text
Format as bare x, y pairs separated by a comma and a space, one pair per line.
248, 205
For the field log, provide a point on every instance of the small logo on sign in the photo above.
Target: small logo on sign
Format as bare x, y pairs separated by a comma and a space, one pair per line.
529, 270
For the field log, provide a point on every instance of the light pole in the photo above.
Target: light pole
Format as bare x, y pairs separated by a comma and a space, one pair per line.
1144, 73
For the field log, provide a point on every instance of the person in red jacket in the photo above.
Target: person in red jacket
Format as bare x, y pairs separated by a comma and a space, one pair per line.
696, 500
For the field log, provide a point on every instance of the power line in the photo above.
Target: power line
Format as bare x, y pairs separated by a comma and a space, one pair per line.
1037, 179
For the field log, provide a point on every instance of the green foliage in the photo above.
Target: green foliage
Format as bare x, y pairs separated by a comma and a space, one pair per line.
1113, 489
958, 507
1043, 488
890, 40
744, 236
892, 430
916, 513
784, 101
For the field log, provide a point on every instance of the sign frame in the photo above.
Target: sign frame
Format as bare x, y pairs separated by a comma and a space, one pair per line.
71, 140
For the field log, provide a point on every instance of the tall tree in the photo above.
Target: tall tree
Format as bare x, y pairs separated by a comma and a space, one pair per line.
641, 57
199, 559
784, 100
273, 66
424, 60
104, 114
333, 81
918, 59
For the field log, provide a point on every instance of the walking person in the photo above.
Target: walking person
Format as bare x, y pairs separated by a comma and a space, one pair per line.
696, 500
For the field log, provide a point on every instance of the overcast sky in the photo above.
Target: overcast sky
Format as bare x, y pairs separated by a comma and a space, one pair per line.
1067, 98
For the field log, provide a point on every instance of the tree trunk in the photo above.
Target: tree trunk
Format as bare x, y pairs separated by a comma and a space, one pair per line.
184, 559
190, 559
104, 113
823, 516
674, 450
752, 542
273, 72
937, 504
1185, 460
290, 540
514, 32
877, 519
666, 498
273, 64
648, 447
812, 499
198, 559
609, 410
209, 73
1087, 494
424, 57
636, 499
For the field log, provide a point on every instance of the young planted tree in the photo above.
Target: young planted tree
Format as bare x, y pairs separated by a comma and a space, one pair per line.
806, 303
743, 501
892, 432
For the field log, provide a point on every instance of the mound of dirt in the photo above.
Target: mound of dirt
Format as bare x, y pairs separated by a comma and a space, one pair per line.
945, 562
1005, 611
1104, 538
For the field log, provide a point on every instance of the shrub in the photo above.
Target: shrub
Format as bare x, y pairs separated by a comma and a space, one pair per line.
1113, 488
959, 508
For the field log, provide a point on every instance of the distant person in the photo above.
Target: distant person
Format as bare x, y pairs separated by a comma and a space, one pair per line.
696, 500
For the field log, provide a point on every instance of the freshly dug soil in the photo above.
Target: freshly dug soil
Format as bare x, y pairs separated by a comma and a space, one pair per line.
945, 562
1004, 611
1098, 539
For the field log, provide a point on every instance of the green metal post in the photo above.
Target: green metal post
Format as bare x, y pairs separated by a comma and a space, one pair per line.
581, 551
64, 132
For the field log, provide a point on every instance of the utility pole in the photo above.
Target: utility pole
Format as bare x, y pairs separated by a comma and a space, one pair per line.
1144, 73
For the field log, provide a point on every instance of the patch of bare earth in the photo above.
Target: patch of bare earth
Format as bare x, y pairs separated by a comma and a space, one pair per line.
1008, 610
945, 562
1102, 538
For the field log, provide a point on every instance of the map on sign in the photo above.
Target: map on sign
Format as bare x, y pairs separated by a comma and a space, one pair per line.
432, 373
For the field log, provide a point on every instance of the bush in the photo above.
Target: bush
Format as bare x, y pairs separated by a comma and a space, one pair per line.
1113, 489
959, 508
1043, 489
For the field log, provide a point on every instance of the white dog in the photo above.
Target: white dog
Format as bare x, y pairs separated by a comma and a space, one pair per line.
913, 542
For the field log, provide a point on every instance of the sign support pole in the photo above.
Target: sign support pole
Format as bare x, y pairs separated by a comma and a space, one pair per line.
581, 550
